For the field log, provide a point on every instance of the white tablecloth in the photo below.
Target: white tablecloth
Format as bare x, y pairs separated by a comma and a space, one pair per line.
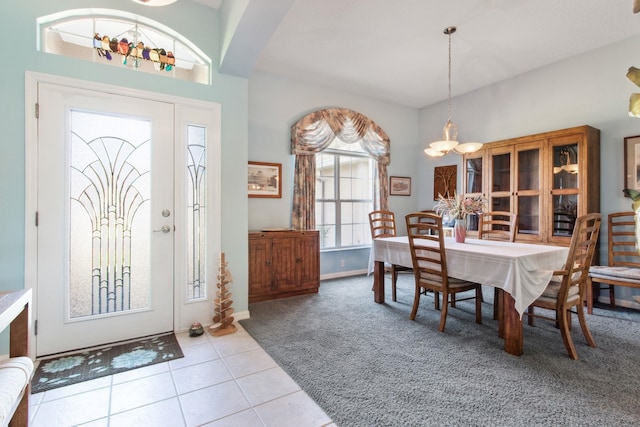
523, 270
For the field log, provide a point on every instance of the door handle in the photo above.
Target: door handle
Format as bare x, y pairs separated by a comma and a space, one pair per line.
164, 229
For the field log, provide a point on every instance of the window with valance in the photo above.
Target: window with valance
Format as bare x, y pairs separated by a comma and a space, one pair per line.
313, 134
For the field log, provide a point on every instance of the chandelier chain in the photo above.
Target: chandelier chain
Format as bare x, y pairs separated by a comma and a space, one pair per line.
449, 101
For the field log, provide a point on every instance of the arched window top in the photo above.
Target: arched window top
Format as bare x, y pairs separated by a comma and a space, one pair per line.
122, 38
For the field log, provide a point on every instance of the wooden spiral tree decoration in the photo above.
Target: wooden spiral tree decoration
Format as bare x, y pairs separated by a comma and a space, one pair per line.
222, 318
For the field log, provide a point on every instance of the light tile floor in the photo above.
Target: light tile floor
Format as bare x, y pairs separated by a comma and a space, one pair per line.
221, 381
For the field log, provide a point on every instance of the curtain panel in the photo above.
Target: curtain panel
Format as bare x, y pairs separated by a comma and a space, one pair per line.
312, 134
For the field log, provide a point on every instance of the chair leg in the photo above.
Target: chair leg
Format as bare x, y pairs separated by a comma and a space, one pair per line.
585, 329
453, 300
612, 296
589, 296
530, 315
561, 316
479, 305
443, 314
416, 303
436, 300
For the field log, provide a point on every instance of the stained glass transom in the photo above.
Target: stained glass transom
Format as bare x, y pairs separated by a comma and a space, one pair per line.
125, 40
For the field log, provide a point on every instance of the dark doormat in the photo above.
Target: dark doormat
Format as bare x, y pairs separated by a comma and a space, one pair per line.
91, 364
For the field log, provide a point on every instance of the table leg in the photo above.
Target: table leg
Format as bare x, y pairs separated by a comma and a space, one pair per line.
378, 282
499, 302
513, 342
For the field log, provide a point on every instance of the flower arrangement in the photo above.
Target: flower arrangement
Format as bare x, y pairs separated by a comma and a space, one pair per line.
459, 206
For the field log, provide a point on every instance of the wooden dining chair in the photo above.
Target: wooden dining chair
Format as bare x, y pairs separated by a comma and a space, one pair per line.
383, 224
623, 268
568, 286
426, 243
497, 225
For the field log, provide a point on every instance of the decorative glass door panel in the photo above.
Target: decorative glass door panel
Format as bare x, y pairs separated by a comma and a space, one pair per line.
109, 214
105, 218
196, 212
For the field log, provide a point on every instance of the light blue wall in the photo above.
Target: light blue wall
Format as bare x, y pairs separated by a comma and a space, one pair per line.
589, 89
195, 22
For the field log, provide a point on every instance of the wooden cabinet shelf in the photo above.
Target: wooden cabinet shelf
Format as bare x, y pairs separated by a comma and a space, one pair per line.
545, 173
283, 264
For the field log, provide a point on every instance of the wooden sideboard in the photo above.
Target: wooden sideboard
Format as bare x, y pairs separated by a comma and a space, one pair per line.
283, 263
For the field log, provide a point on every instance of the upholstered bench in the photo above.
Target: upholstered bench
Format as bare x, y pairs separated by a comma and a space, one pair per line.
629, 275
17, 370
15, 375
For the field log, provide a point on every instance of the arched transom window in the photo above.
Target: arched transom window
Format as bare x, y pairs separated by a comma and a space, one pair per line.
123, 39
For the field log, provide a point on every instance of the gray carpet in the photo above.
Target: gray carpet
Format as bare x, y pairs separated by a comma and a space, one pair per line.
367, 364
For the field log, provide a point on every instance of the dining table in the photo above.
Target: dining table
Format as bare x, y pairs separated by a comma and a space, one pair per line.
520, 270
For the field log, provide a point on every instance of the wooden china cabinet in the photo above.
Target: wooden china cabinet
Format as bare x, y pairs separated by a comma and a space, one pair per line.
548, 179
283, 263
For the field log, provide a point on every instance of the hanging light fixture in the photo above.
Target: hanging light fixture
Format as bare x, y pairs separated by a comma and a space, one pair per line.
154, 2
449, 139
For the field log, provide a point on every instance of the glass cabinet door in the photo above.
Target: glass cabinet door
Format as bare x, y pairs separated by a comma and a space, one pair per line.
474, 165
565, 188
473, 172
501, 190
528, 177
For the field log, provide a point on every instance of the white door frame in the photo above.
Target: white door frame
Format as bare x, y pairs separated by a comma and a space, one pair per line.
184, 312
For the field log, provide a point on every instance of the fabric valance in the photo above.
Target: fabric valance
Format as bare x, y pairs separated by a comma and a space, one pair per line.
315, 132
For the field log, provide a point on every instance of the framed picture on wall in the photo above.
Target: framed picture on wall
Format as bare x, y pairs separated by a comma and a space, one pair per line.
264, 179
444, 181
399, 186
632, 162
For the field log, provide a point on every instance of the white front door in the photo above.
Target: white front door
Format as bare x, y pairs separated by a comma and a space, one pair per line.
105, 222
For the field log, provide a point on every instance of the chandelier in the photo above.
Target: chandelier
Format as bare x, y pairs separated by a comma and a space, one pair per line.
449, 139
154, 2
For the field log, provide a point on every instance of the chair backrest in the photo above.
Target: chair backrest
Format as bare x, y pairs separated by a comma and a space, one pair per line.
426, 243
563, 223
498, 225
583, 245
622, 240
382, 224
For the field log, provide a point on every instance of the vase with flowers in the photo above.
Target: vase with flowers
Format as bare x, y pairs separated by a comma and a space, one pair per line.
457, 208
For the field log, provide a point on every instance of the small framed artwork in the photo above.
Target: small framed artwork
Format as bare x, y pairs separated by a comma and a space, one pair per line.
632, 162
264, 179
444, 181
400, 186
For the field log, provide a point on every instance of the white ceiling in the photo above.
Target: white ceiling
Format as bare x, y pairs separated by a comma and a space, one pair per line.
396, 50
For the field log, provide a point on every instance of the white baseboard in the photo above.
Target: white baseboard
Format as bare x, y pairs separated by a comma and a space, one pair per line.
343, 274
620, 303
241, 315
